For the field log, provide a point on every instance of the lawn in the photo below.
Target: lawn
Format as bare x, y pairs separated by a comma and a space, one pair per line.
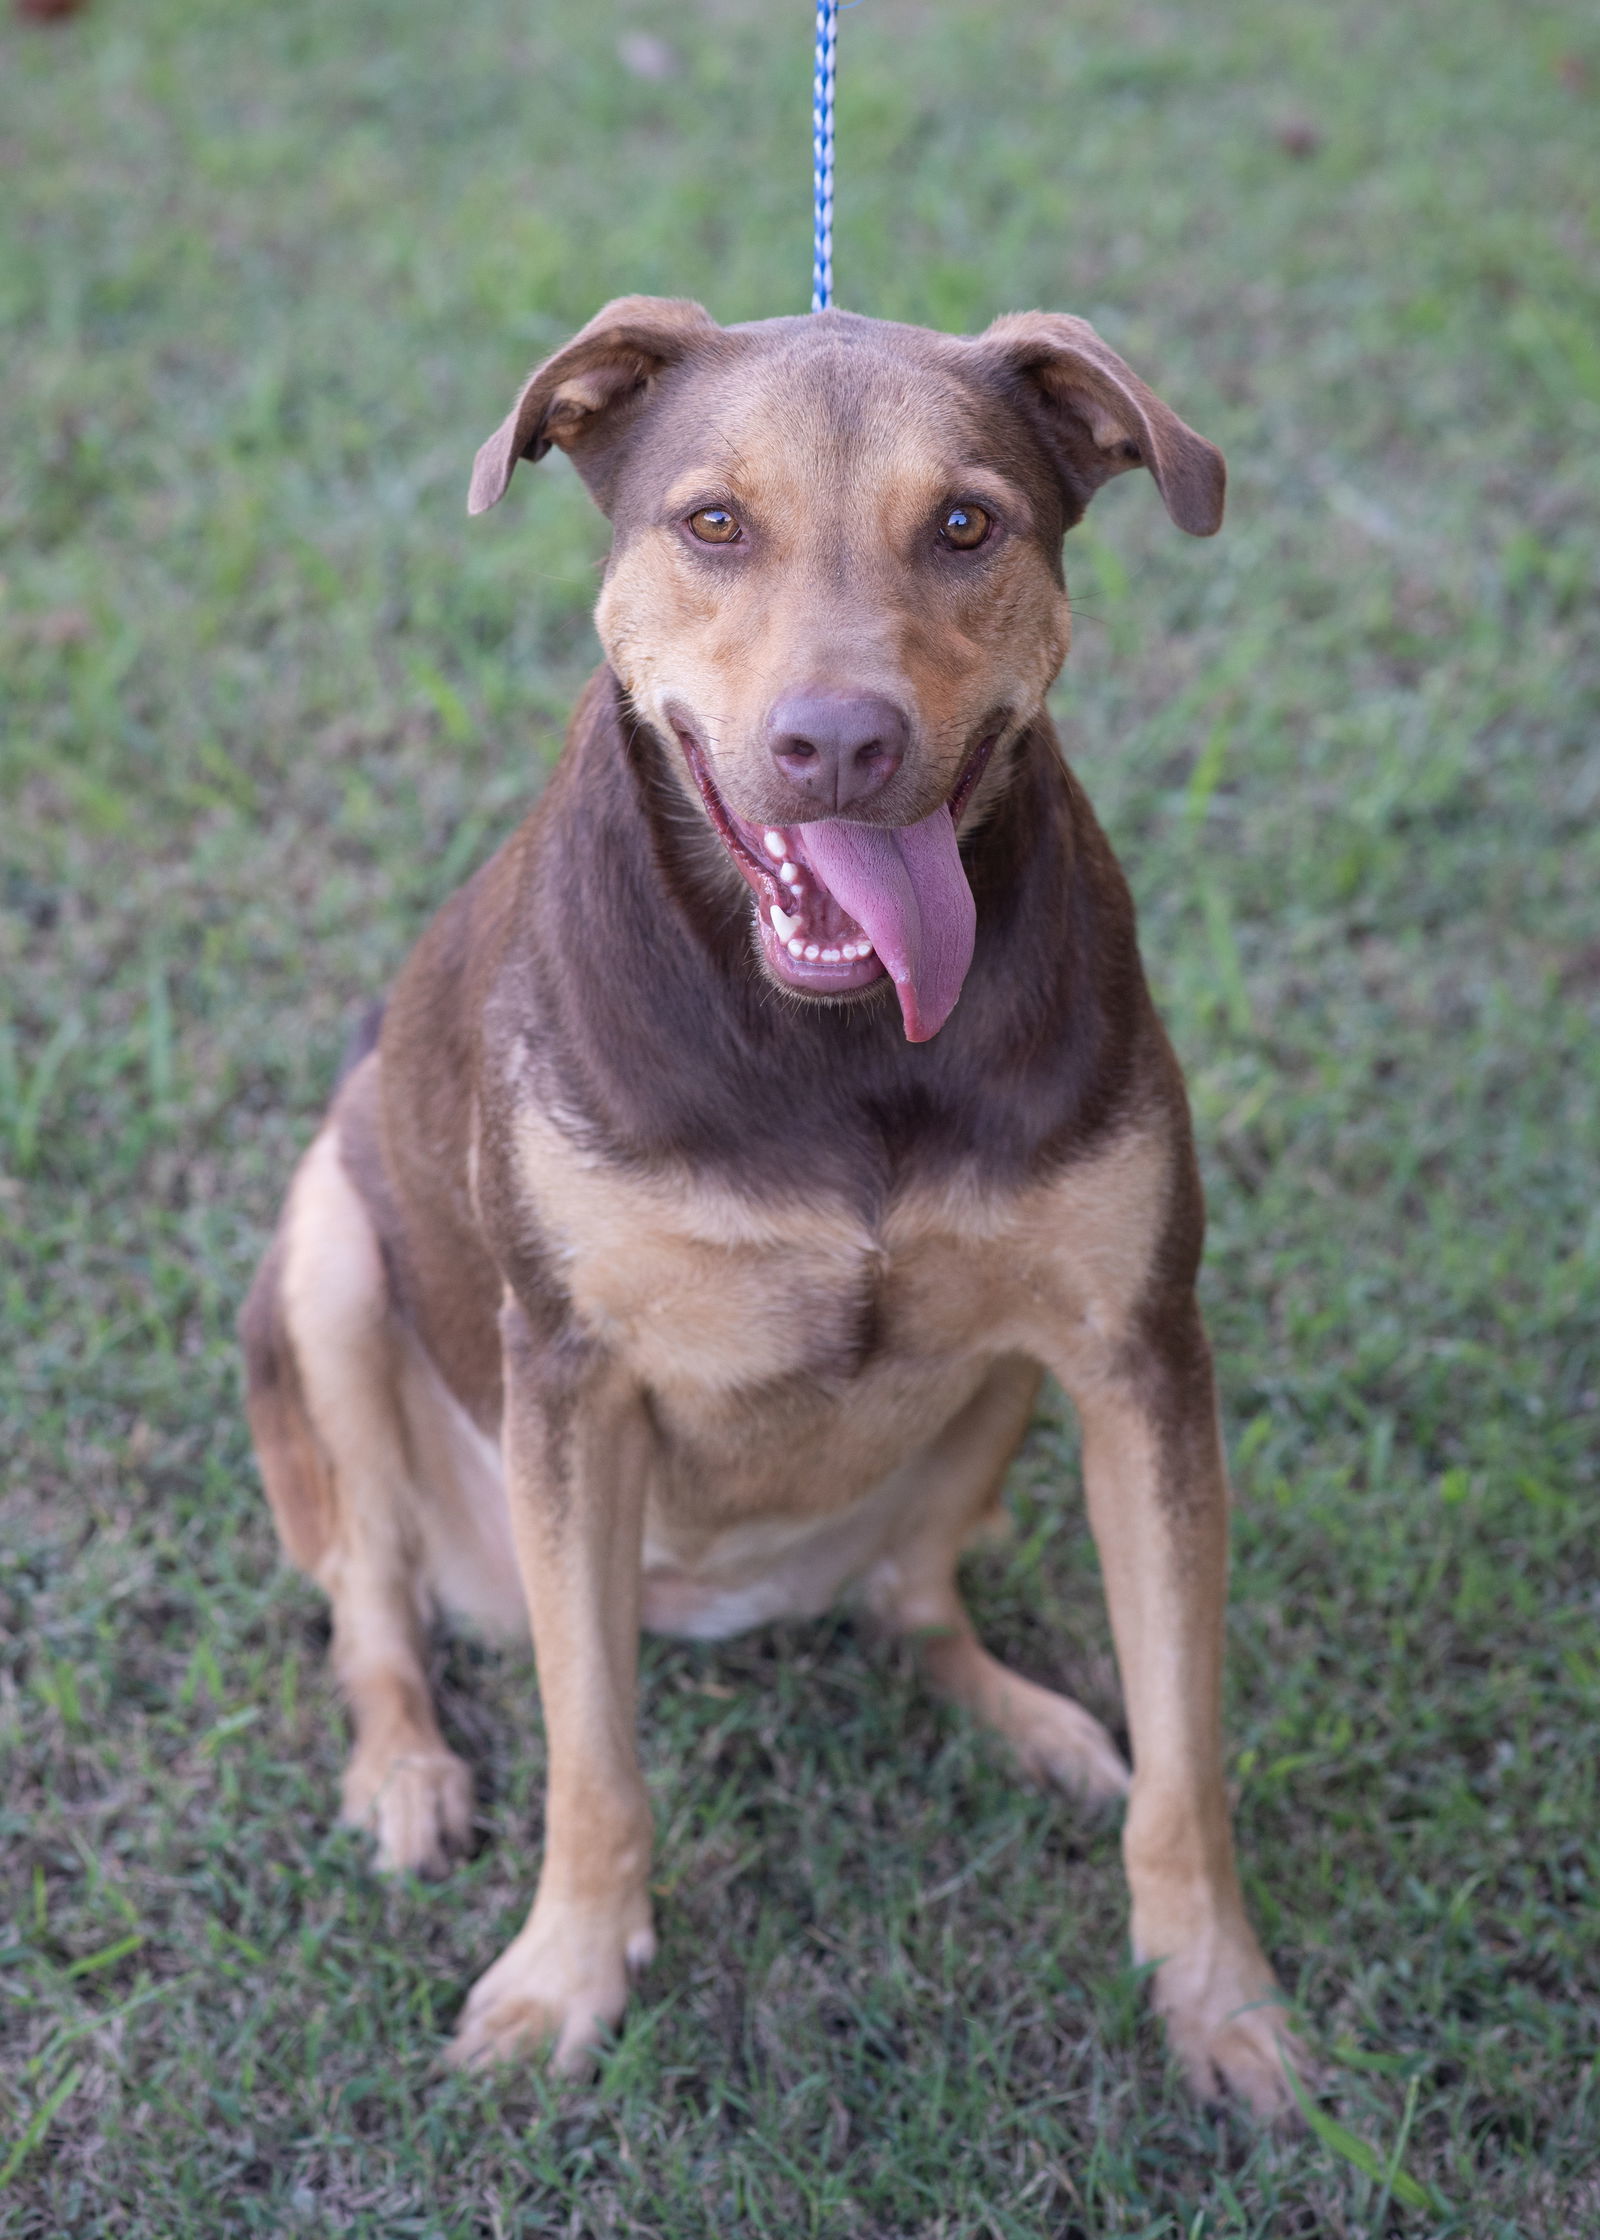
267, 277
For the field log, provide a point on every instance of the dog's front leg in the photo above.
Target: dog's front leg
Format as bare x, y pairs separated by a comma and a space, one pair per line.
577, 1444
1157, 1496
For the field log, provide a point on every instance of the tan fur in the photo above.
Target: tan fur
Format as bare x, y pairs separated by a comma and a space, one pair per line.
402, 1781
706, 1295
294, 1468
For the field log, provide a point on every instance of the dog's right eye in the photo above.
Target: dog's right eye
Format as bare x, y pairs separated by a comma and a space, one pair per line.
965, 527
714, 525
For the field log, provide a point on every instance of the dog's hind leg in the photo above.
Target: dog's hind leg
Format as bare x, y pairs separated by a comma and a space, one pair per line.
321, 1356
912, 1590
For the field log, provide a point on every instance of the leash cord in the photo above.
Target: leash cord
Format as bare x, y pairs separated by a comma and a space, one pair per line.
822, 154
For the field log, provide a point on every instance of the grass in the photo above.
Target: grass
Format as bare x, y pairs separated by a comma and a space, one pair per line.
267, 277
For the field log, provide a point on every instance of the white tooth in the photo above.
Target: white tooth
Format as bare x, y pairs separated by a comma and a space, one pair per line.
830, 956
774, 844
850, 950
782, 924
789, 873
796, 948
812, 952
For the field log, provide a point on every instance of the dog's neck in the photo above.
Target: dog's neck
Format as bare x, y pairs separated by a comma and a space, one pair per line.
658, 1019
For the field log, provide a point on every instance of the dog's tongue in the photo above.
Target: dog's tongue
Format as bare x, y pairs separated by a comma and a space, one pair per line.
905, 887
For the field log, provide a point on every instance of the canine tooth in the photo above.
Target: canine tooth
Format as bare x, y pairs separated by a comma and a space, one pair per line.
796, 948
782, 924
774, 844
812, 952
789, 873
830, 956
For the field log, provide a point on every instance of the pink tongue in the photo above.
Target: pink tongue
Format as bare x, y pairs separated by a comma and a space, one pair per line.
906, 889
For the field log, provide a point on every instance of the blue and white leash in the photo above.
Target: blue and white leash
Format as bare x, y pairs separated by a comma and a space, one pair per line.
822, 154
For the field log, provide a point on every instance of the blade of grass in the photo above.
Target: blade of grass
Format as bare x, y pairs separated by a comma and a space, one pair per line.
43, 2118
1364, 2157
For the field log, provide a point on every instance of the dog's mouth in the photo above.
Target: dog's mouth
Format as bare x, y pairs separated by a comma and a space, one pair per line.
839, 905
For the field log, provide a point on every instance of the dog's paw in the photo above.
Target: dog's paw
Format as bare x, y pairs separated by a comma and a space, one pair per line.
1051, 1738
560, 1985
1233, 2037
1056, 1740
416, 1804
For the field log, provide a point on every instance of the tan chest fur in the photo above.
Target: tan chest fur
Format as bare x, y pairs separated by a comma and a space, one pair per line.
793, 1351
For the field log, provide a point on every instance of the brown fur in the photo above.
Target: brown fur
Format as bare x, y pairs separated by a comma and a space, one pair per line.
625, 1285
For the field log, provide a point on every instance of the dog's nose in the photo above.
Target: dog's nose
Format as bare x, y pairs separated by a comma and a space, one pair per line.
838, 748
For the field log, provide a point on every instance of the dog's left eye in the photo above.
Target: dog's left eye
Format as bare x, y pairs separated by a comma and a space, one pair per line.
965, 527
714, 525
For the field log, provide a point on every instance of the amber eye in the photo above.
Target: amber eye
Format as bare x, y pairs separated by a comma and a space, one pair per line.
714, 525
965, 527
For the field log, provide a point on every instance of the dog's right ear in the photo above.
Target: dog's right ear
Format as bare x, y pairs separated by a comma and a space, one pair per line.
586, 395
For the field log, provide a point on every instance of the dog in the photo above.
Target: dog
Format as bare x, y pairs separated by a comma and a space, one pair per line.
743, 1143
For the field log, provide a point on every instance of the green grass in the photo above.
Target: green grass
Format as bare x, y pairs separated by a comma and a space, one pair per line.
267, 277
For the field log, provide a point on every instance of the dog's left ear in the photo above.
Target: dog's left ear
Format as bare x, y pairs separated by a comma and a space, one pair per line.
1099, 419
586, 395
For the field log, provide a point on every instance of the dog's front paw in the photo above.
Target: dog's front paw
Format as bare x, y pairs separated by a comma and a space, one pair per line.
1230, 2031
417, 1805
561, 1984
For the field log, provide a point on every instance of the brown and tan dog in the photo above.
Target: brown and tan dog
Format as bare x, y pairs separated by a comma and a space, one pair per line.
743, 1142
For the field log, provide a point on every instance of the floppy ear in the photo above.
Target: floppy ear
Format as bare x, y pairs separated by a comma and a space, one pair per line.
585, 395
1099, 419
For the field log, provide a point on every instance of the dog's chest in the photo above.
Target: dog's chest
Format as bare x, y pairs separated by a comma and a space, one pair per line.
700, 1288
708, 1291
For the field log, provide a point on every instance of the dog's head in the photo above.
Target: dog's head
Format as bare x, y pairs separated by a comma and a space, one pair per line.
836, 582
